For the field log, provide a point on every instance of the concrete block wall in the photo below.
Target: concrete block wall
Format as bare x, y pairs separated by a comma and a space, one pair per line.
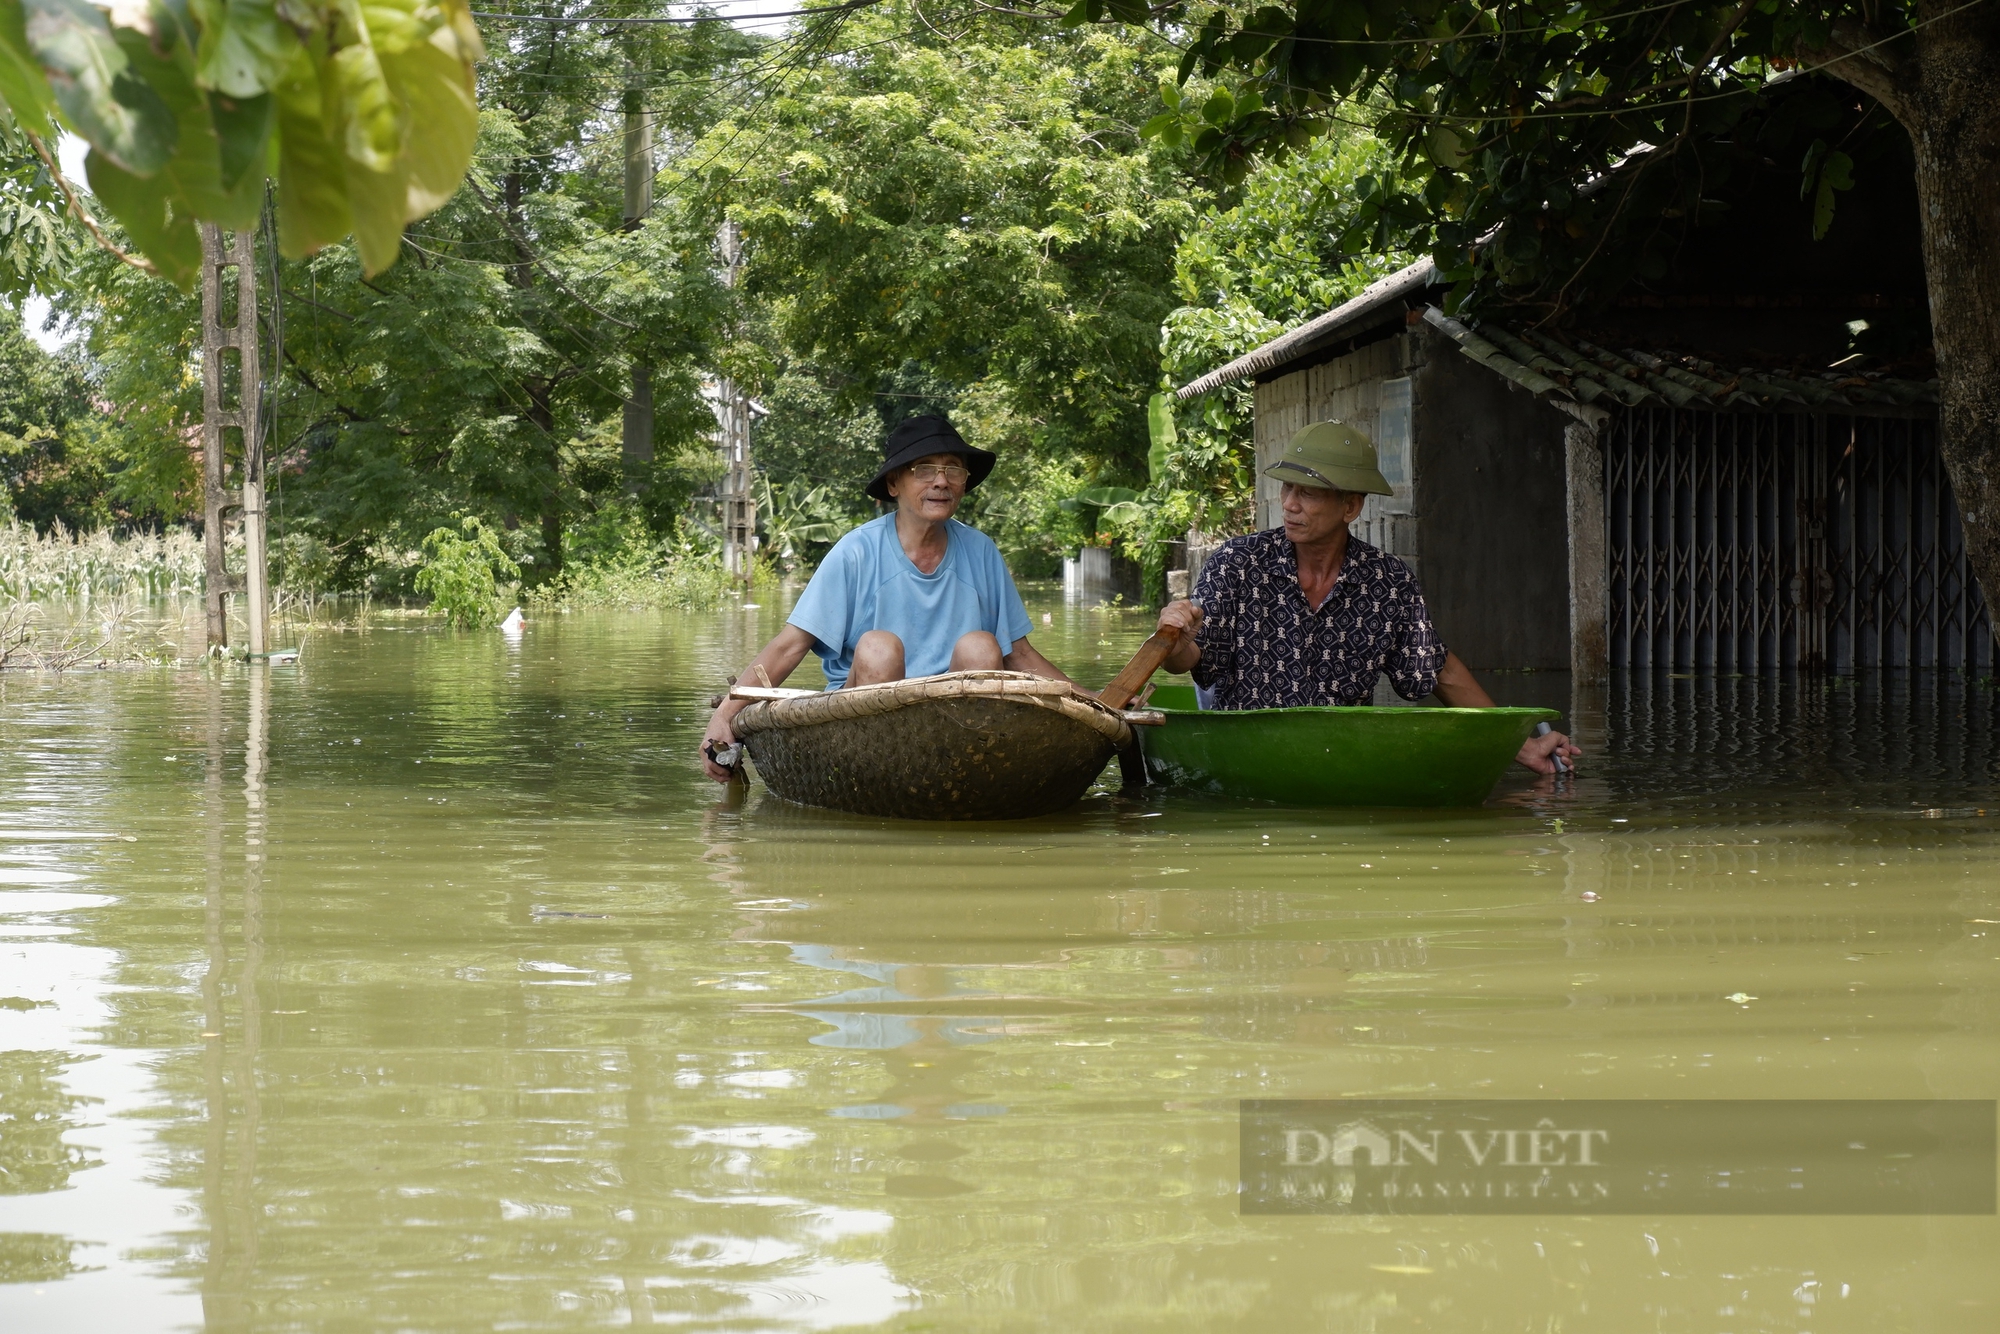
1345, 389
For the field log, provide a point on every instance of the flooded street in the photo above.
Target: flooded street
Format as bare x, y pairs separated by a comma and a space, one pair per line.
427, 985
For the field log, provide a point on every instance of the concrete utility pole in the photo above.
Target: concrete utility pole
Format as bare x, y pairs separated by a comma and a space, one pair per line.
231, 424
732, 416
638, 434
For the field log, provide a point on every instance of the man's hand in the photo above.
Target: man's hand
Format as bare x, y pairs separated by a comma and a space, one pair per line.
1185, 617
722, 735
771, 666
1536, 751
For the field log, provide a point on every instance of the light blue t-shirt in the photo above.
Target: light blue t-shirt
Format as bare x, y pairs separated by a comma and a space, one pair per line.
867, 583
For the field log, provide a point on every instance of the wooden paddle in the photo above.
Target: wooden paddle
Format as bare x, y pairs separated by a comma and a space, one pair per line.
1127, 684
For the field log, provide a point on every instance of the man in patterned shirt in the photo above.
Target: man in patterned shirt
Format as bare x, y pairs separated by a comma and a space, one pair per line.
1307, 614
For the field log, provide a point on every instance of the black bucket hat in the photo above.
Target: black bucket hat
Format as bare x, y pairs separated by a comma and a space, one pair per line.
920, 437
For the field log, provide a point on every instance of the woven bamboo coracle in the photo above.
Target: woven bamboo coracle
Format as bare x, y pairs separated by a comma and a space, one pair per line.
961, 746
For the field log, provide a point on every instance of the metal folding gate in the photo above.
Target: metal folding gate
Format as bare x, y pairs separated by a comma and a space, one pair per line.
1749, 542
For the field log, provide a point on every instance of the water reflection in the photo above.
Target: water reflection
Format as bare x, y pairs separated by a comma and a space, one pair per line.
36, 1113
872, 1018
437, 991
232, 1036
1877, 741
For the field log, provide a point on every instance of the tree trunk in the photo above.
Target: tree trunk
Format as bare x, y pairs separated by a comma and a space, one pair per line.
543, 416
521, 274
1938, 81
1953, 118
638, 434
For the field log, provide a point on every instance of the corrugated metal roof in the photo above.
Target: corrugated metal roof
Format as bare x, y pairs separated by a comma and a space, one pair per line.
1583, 378
1396, 287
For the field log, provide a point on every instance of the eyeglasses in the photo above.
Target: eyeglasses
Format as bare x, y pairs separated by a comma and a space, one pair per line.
930, 472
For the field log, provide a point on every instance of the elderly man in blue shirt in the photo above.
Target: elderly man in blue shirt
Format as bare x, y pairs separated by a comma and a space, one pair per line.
1308, 614
912, 593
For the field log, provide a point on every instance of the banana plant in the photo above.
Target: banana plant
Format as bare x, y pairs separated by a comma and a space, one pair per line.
364, 114
1119, 504
798, 513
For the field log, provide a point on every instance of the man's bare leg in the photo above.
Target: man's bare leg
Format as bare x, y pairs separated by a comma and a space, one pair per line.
976, 651
878, 657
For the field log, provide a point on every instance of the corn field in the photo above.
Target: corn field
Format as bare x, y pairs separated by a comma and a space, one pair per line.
83, 568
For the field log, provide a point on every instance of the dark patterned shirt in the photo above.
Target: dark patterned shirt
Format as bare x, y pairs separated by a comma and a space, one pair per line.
1264, 647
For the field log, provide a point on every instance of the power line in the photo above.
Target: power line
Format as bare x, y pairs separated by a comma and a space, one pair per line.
676, 20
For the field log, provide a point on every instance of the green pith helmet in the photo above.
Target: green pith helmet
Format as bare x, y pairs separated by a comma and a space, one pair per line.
1331, 456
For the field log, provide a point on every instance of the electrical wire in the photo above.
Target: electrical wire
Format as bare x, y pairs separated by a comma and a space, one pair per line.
675, 20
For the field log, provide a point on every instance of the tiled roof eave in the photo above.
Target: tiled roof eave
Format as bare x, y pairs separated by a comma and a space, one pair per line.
1556, 394
1586, 374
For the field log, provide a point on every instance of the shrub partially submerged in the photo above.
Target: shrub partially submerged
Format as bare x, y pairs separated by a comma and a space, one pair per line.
614, 562
113, 631
643, 579
462, 573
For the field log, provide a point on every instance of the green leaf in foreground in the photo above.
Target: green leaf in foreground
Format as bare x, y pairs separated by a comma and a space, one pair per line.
91, 79
365, 114
22, 82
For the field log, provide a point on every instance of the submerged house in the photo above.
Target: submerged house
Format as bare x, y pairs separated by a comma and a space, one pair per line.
1704, 477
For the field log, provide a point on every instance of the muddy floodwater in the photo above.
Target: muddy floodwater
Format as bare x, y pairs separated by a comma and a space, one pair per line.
426, 986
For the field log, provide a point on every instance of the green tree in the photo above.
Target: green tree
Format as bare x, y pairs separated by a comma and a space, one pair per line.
38, 242
978, 210
363, 115
486, 373
462, 573
142, 338
51, 455
973, 225
1274, 258
816, 437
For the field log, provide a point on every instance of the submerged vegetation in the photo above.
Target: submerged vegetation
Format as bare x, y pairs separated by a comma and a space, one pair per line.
65, 567
617, 564
115, 632
71, 601
667, 575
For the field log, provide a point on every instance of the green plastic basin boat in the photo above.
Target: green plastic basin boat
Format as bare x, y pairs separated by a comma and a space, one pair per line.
1334, 757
